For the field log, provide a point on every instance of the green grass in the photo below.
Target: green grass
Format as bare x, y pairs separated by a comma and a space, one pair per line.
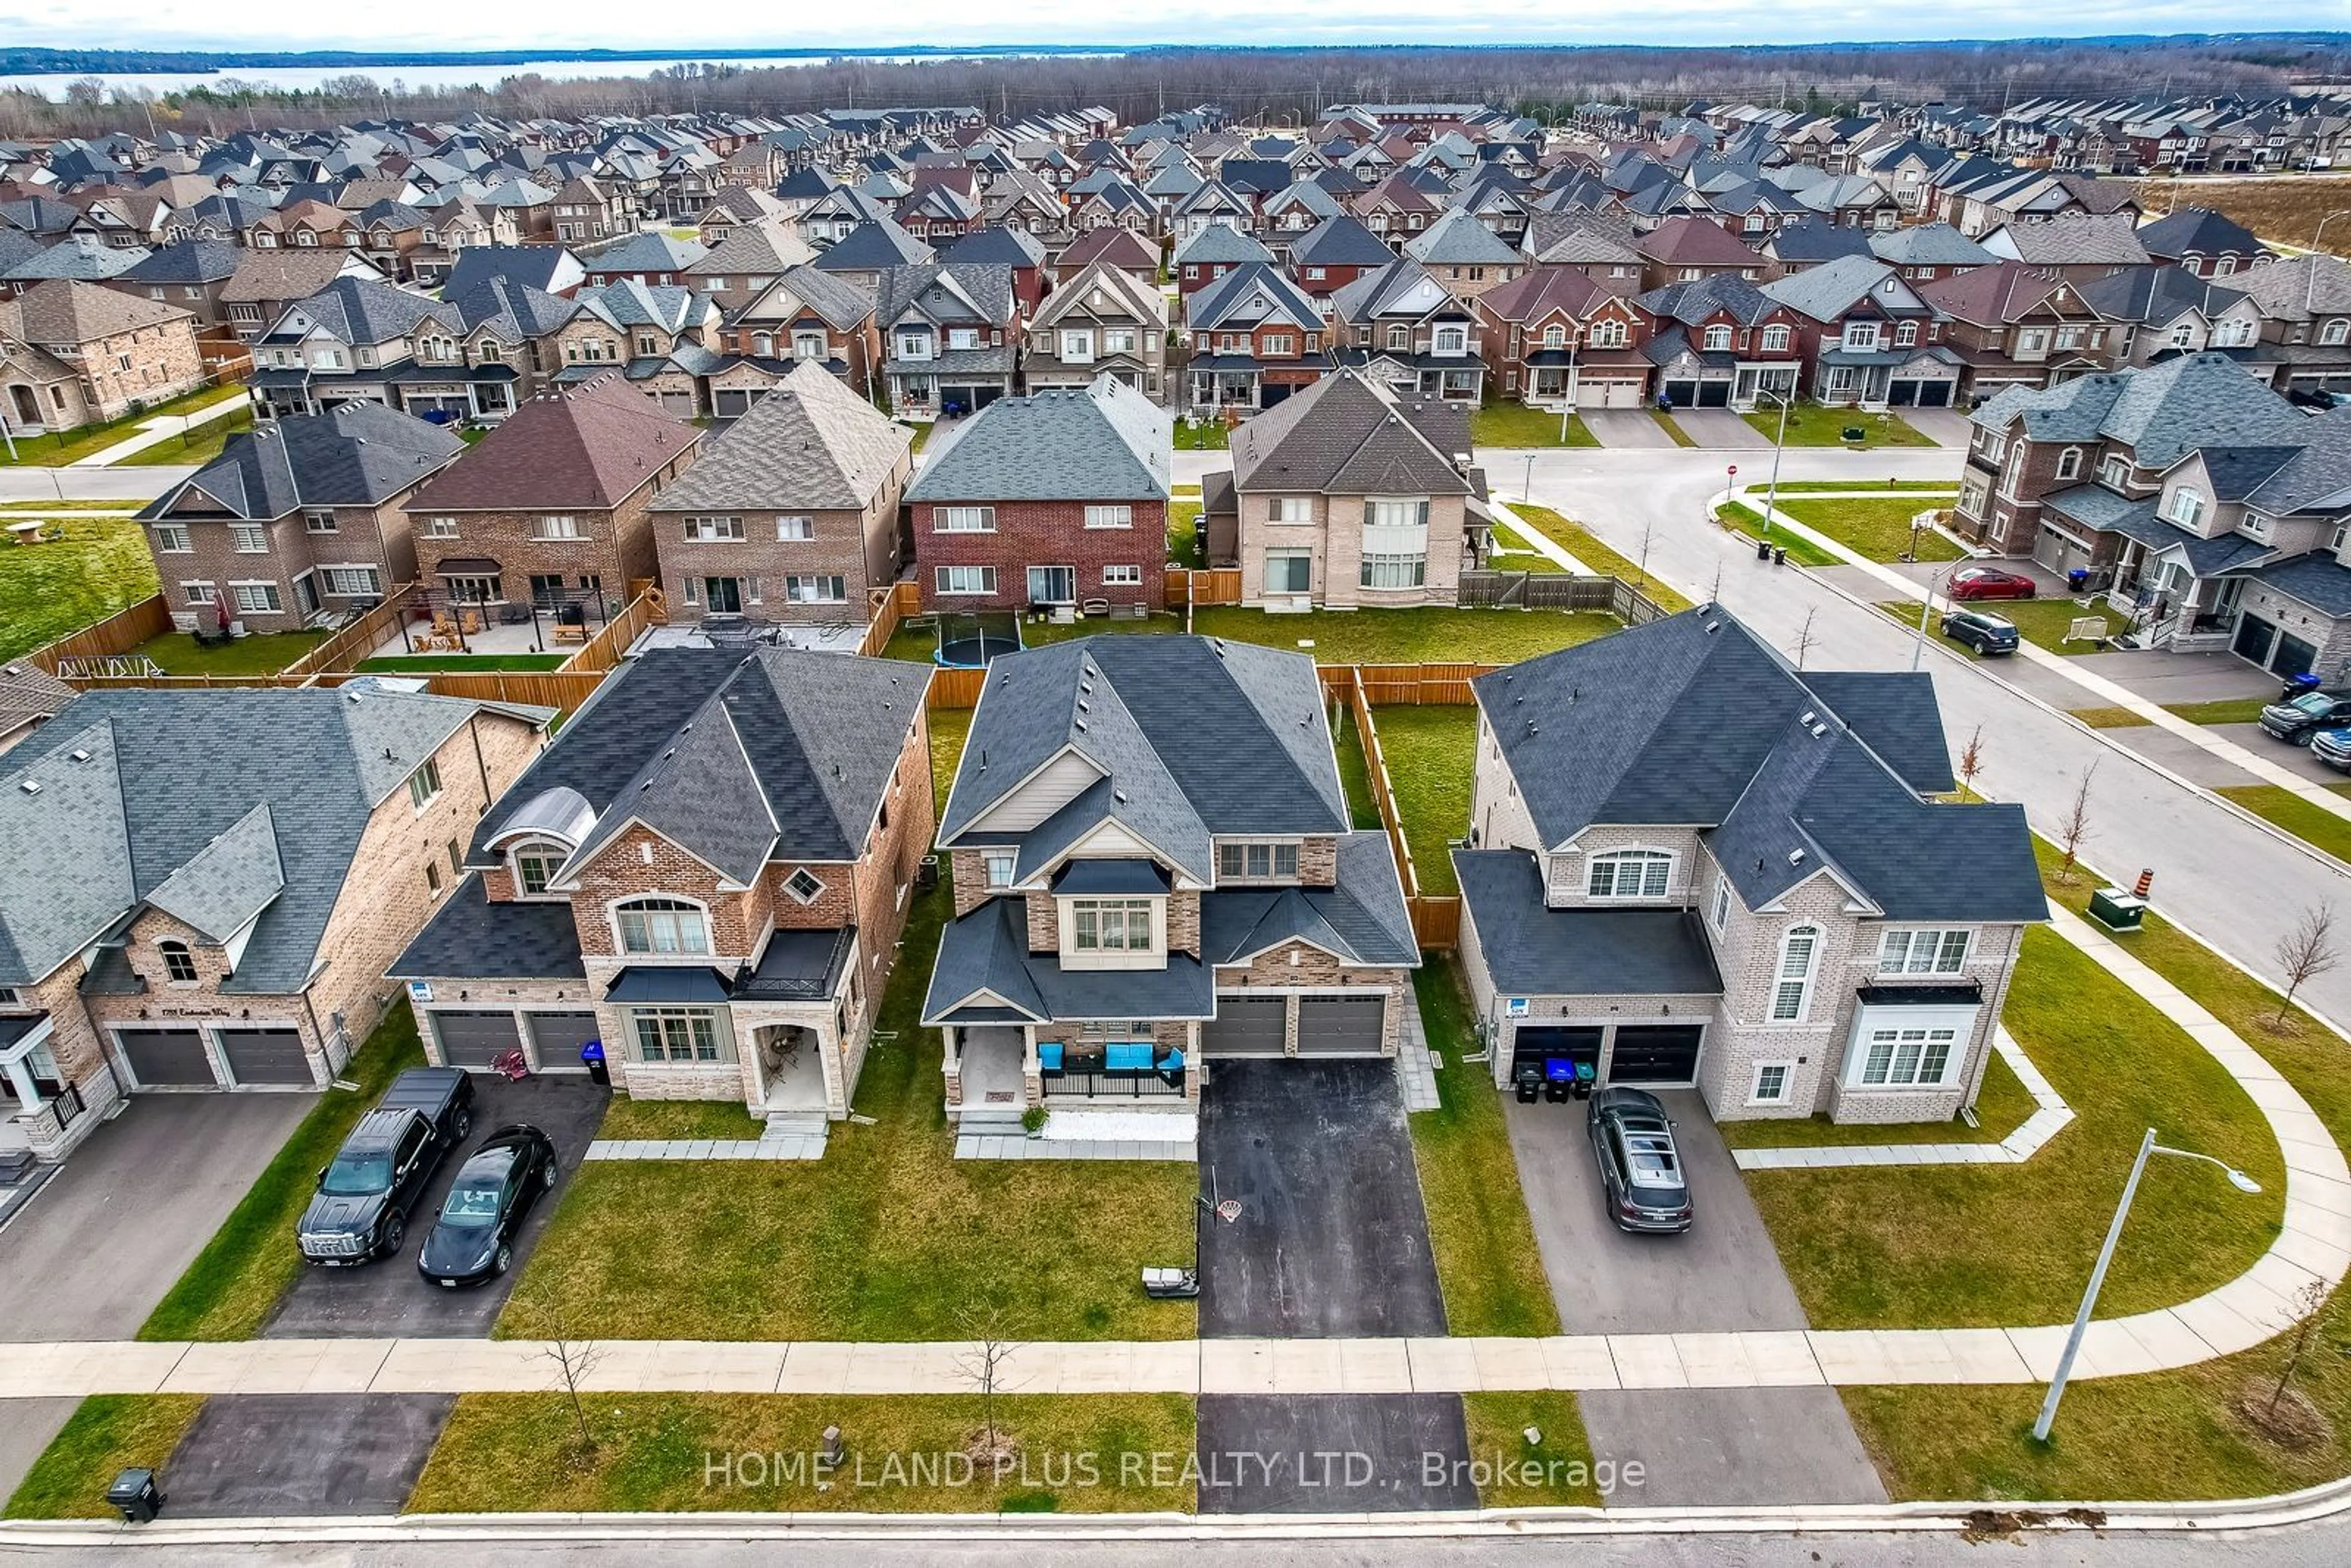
198, 446
1419, 635
1202, 435
2109, 717
261, 654
677, 1119
1186, 545
58, 448
446, 663
43, 509
1432, 766
1585, 546
1356, 773
2320, 829
2003, 1104
889, 1237
922, 436
1487, 1265
1809, 424
1743, 518
1878, 529
50, 591
1516, 424
106, 1433
229, 1290
1512, 553
2233, 710
949, 728
2040, 621
1831, 486
502, 1452
1554, 1473
1958, 1245
1665, 423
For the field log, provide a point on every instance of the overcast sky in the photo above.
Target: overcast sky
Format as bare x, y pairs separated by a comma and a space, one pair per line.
733, 24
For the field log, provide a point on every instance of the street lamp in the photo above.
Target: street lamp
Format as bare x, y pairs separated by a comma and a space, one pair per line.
1928, 609
1780, 445
2148, 1145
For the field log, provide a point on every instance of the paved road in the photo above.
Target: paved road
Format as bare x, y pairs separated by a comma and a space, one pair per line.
2236, 884
139, 483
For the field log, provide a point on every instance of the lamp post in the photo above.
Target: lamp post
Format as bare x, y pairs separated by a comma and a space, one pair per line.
1567, 409
1928, 609
1780, 445
2148, 1145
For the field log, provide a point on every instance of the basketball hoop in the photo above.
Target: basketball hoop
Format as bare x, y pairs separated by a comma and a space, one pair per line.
1229, 1211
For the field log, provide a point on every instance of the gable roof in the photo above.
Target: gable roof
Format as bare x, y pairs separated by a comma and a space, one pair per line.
586, 447
809, 444
357, 454
2161, 411
1348, 435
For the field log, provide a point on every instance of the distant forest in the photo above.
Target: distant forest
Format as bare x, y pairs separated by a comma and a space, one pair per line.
1276, 85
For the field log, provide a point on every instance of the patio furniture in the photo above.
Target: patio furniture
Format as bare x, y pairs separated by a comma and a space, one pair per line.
566, 631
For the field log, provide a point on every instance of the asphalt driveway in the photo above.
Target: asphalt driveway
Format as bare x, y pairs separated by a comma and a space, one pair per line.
1943, 426
1623, 427
1332, 1453
1698, 1446
130, 1209
302, 1455
388, 1298
1719, 428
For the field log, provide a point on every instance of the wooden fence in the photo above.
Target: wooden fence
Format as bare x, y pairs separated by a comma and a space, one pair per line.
890, 606
603, 651
119, 633
1553, 590
1203, 586
347, 648
956, 688
565, 689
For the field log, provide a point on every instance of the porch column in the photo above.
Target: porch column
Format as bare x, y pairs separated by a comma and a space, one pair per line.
20, 1078
1032, 1068
951, 1038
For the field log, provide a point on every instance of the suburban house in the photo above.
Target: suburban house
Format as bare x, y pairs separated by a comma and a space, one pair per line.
1349, 496
1869, 340
1722, 343
201, 889
1055, 500
2203, 243
950, 334
1214, 255
298, 520
1119, 248
267, 283
1153, 866
1103, 321
1694, 865
1256, 339
2019, 326
2305, 306
708, 871
1557, 338
552, 509
1401, 326
1334, 254
802, 315
78, 353
1464, 255
789, 514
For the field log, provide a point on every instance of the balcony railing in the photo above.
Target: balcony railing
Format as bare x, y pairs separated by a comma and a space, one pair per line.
1084, 1083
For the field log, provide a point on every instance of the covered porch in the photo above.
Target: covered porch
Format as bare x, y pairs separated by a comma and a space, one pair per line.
41, 1115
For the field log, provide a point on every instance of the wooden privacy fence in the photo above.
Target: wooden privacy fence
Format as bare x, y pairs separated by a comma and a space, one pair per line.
565, 689
603, 651
1553, 590
1198, 586
890, 606
1436, 921
119, 633
347, 648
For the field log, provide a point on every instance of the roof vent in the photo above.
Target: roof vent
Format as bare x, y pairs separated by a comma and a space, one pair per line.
79, 755
1795, 857
1119, 796
29, 785
1081, 726
1807, 716
1819, 730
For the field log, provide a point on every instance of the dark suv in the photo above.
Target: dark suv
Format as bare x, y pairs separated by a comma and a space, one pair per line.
2296, 719
360, 1209
1640, 1168
1980, 629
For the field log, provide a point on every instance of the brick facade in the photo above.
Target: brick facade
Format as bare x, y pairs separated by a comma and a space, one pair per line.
1296, 969
614, 547
1045, 533
861, 548
362, 538
1333, 534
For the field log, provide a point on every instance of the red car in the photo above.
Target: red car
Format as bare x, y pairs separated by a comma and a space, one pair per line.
1988, 582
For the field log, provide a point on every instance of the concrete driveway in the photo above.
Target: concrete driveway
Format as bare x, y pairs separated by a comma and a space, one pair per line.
388, 1298
1698, 1446
113, 1230
303, 1455
1719, 429
1625, 427
1943, 426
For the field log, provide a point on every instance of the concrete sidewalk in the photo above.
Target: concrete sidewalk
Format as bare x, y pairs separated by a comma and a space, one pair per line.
156, 430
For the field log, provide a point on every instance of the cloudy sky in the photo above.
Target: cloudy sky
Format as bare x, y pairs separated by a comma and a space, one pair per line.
733, 24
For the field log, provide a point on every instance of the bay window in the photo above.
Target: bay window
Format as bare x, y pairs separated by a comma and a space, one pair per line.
1895, 1057
676, 1034
1111, 925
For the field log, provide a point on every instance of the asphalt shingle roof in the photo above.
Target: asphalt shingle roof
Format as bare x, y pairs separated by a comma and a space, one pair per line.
1348, 435
1101, 441
1531, 950
358, 455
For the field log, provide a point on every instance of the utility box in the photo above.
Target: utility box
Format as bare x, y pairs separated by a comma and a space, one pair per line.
2116, 910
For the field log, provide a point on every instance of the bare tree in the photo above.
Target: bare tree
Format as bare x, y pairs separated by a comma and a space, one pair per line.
1804, 638
2309, 1306
2306, 952
1714, 594
574, 1360
983, 1366
1972, 760
2076, 828
1648, 531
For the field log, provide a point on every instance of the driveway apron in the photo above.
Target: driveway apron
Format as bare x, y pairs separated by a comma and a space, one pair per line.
270, 1455
1625, 427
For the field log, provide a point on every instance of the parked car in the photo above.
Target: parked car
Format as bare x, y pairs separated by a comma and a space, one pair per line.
364, 1198
1989, 582
2296, 719
2333, 746
473, 1240
1980, 629
1640, 1168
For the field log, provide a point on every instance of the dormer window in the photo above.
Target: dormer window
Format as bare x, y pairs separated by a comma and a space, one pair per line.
534, 864
2187, 507
179, 963
1111, 925
1257, 863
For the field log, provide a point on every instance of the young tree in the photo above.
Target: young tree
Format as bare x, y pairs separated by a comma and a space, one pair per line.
2306, 952
1804, 638
573, 1360
2076, 828
1648, 532
1972, 760
2309, 1306
983, 1366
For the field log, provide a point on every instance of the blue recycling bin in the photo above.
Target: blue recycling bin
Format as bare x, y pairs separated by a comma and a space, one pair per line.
2078, 578
591, 1056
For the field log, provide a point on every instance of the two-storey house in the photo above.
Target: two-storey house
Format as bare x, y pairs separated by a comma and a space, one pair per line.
2020, 326
1256, 338
1722, 342
1869, 341
1404, 327
950, 334
1103, 321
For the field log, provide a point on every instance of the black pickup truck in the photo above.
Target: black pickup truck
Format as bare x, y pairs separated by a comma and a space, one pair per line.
380, 1172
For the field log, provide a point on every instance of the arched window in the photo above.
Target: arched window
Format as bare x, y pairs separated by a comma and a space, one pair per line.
1608, 334
1554, 336
1718, 338
2335, 331
1630, 873
1793, 993
534, 862
662, 926
2069, 463
179, 963
1775, 339
763, 344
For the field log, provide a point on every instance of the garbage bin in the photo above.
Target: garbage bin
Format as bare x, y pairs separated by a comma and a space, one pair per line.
591, 1056
2296, 685
135, 1493
1762, 549
1779, 555
1527, 1082
2078, 579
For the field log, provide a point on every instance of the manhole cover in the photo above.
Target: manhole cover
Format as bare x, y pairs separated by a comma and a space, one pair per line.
1229, 1210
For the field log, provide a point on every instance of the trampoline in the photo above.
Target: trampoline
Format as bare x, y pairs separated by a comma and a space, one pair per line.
970, 641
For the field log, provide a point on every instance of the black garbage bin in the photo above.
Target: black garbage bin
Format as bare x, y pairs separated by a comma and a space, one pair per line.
591, 1056
1528, 1081
1779, 555
135, 1493
1762, 549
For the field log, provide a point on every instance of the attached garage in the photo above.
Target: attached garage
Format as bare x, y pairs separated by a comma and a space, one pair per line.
1655, 1054
1902, 394
1714, 395
1935, 394
1539, 1045
1681, 393
557, 1038
1245, 1026
1342, 1026
167, 1057
471, 1039
266, 1056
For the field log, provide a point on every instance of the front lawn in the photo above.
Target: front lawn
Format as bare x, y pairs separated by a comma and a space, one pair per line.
1878, 528
1487, 1266
1585, 546
197, 445
2313, 825
1513, 552
1965, 1246
1516, 424
889, 1237
458, 663
674, 1120
1741, 518
2043, 622
1832, 486
1679, 436
58, 448
1554, 1472
261, 654
1421, 635
2003, 1103
100, 568
106, 1433
1095, 1453
1432, 765
229, 1290
1809, 424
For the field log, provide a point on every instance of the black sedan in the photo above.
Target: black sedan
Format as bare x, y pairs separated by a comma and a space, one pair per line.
1640, 1169
473, 1240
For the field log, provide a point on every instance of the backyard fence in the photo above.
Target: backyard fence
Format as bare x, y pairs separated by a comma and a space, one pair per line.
604, 650
347, 648
890, 606
1201, 587
123, 633
1552, 590
1436, 921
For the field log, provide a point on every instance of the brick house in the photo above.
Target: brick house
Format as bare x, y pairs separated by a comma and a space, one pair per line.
2015, 324
1334, 253
298, 521
951, 333
1348, 496
804, 316
1722, 342
1868, 339
1402, 326
1781, 918
1153, 866
1555, 338
203, 887
1256, 338
552, 507
1122, 249
267, 283
790, 514
670, 878
1055, 500
1464, 255
1103, 321
91, 353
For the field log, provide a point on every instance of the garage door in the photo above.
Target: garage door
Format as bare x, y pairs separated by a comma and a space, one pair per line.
1681, 394
1655, 1054
1934, 394
1714, 395
2294, 657
1623, 394
560, 1036
1245, 1026
2254, 638
1341, 1026
266, 1056
166, 1056
1902, 394
1539, 1046
472, 1039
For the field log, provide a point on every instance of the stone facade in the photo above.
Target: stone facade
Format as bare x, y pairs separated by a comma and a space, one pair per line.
1296, 969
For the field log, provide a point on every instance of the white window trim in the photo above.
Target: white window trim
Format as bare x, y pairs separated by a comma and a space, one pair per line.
1910, 935
538, 849
1154, 957
794, 894
1755, 1095
1959, 1021
987, 580
619, 944
1110, 515
1807, 980
939, 515
1643, 856
989, 859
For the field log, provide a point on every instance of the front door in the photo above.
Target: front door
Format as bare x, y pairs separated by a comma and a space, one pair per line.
723, 595
1053, 585
306, 595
